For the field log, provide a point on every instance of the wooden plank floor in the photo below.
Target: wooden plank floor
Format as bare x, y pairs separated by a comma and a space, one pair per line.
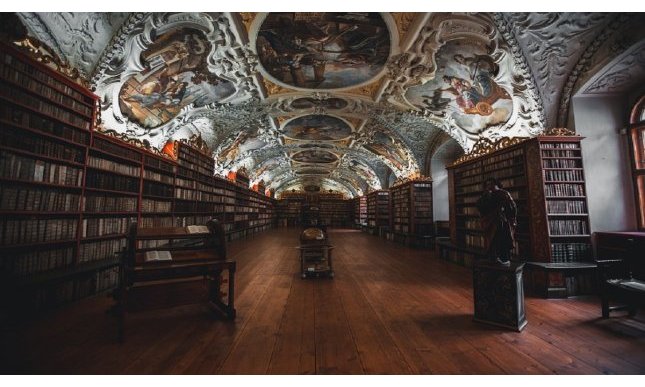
389, 310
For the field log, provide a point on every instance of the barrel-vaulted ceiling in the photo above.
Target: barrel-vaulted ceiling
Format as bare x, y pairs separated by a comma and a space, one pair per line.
331, 100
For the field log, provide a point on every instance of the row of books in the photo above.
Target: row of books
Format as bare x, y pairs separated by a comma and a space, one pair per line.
472, 224
155, 162
469, 170
564, 189
559, 153
566, 207
564, 175
93, 227
17, 167
149, 205
10, 93
41, 146
101, 250
504, 157
17, 115
475, 241
17, 198
108, 146
156, 176
515, 165
561, 163
106, 181
28, 261
24, 231
468, 211
109, 165
10, 60
156, 221
109, 203
568, 227
570, 252
559, 145
151, 188
27, 82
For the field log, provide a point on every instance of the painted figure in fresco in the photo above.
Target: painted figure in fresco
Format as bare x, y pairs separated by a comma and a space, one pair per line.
303, 49
499, 220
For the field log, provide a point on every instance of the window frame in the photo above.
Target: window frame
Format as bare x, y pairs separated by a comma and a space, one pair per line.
636, 139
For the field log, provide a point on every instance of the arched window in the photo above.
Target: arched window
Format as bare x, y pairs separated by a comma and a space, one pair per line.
637, 150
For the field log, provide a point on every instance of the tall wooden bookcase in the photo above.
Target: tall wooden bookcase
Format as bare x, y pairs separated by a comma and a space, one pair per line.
545, 177
411, 211
360, 210
378, 212
68, 192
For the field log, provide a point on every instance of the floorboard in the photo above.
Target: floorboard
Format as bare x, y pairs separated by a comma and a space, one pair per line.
389, 310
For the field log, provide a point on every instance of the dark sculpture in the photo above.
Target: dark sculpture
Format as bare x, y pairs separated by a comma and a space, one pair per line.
499, 219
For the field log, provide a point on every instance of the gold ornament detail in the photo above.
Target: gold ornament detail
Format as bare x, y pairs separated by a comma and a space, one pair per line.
485, 146
45, 55
558, 132
247, 19
403, 21
273, 89
367, 90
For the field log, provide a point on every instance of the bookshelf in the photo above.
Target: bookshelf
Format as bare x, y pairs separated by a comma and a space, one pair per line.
360, 211
411, 212
289, 208
334, 211
545, 177
68, 193
378, 212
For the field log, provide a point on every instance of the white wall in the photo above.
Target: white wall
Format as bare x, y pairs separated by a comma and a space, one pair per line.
445, 155
606, 162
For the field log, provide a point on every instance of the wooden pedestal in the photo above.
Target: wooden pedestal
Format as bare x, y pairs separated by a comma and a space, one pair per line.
499, 294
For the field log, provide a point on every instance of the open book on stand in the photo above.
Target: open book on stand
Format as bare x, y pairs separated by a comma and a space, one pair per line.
158, 256
197, 229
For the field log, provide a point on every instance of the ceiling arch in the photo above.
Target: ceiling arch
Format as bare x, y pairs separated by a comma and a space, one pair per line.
334, 100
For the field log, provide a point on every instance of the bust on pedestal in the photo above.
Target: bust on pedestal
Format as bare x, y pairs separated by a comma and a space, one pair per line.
499, 294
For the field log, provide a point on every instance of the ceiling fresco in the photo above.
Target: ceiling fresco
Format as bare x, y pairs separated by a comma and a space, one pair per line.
317, 128
343, 101
175, 75
323, 50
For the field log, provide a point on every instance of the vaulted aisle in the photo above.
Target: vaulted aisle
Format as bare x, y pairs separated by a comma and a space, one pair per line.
390, 309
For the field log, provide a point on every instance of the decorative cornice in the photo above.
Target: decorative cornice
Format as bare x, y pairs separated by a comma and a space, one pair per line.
485, 146
411, 179
144, 145
41, 52
558, 132
583, 65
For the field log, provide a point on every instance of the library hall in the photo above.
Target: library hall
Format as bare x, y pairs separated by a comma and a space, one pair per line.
322, 193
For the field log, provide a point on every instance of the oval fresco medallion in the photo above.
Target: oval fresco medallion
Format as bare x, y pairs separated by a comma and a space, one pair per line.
175, 75
317, 127
469, 86
315, 156
323, 50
